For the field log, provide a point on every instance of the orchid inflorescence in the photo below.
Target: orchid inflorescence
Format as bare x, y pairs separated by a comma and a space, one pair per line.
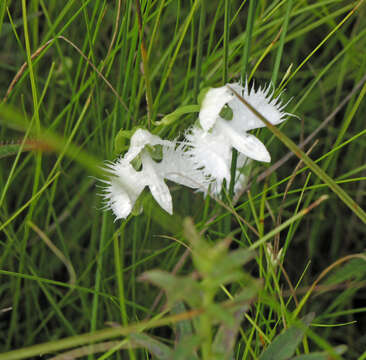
203, 159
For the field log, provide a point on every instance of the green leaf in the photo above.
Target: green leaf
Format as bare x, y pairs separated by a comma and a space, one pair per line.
224, 342
285, 344
192, 235
176, 288
220, 314
186, 348
312, 356
339, 350
354, 269
231, 261
9, 150
155, 347
178, 113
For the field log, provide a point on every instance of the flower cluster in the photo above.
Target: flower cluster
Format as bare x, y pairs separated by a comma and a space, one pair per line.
203, 159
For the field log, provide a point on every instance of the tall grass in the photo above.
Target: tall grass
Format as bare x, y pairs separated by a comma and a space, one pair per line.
73, 74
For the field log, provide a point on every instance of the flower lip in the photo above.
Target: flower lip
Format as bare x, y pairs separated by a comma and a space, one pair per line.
262, 100
123, 188
246, 144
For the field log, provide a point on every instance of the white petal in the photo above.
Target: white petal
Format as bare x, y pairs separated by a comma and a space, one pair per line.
119, 201
179, 167
155, 181
125, 186
139, 140
262, 100
161, 194
240, 178
211, 151
253, 148
212, 104
247, 144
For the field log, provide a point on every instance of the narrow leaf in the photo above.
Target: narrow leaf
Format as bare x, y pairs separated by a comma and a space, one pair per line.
285, 344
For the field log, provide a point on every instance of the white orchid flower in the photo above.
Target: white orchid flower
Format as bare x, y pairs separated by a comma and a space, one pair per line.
211, 144
126, 184
212, 152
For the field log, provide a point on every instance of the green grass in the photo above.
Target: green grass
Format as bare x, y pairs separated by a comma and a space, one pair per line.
70, 276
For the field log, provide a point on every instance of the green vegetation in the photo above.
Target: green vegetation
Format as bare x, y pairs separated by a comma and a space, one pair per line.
276, 272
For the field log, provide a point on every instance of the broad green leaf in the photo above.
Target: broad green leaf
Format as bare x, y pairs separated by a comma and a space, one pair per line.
195, 240
339, 350
186, 348
9, 150
226, 278
224, 341
177, 288
312, 356
232, 260
285, 344
220, 314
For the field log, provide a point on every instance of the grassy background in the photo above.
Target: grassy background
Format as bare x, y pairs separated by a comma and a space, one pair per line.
85, 83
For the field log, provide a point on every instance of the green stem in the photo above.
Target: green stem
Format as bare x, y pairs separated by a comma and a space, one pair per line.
145, 62
206, 327
248, 37
226, 40
201, 31
276, 66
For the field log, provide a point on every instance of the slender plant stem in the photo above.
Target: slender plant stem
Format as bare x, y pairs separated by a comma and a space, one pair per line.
226, 41
248, 37
145, 61
201, 32
279, 53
